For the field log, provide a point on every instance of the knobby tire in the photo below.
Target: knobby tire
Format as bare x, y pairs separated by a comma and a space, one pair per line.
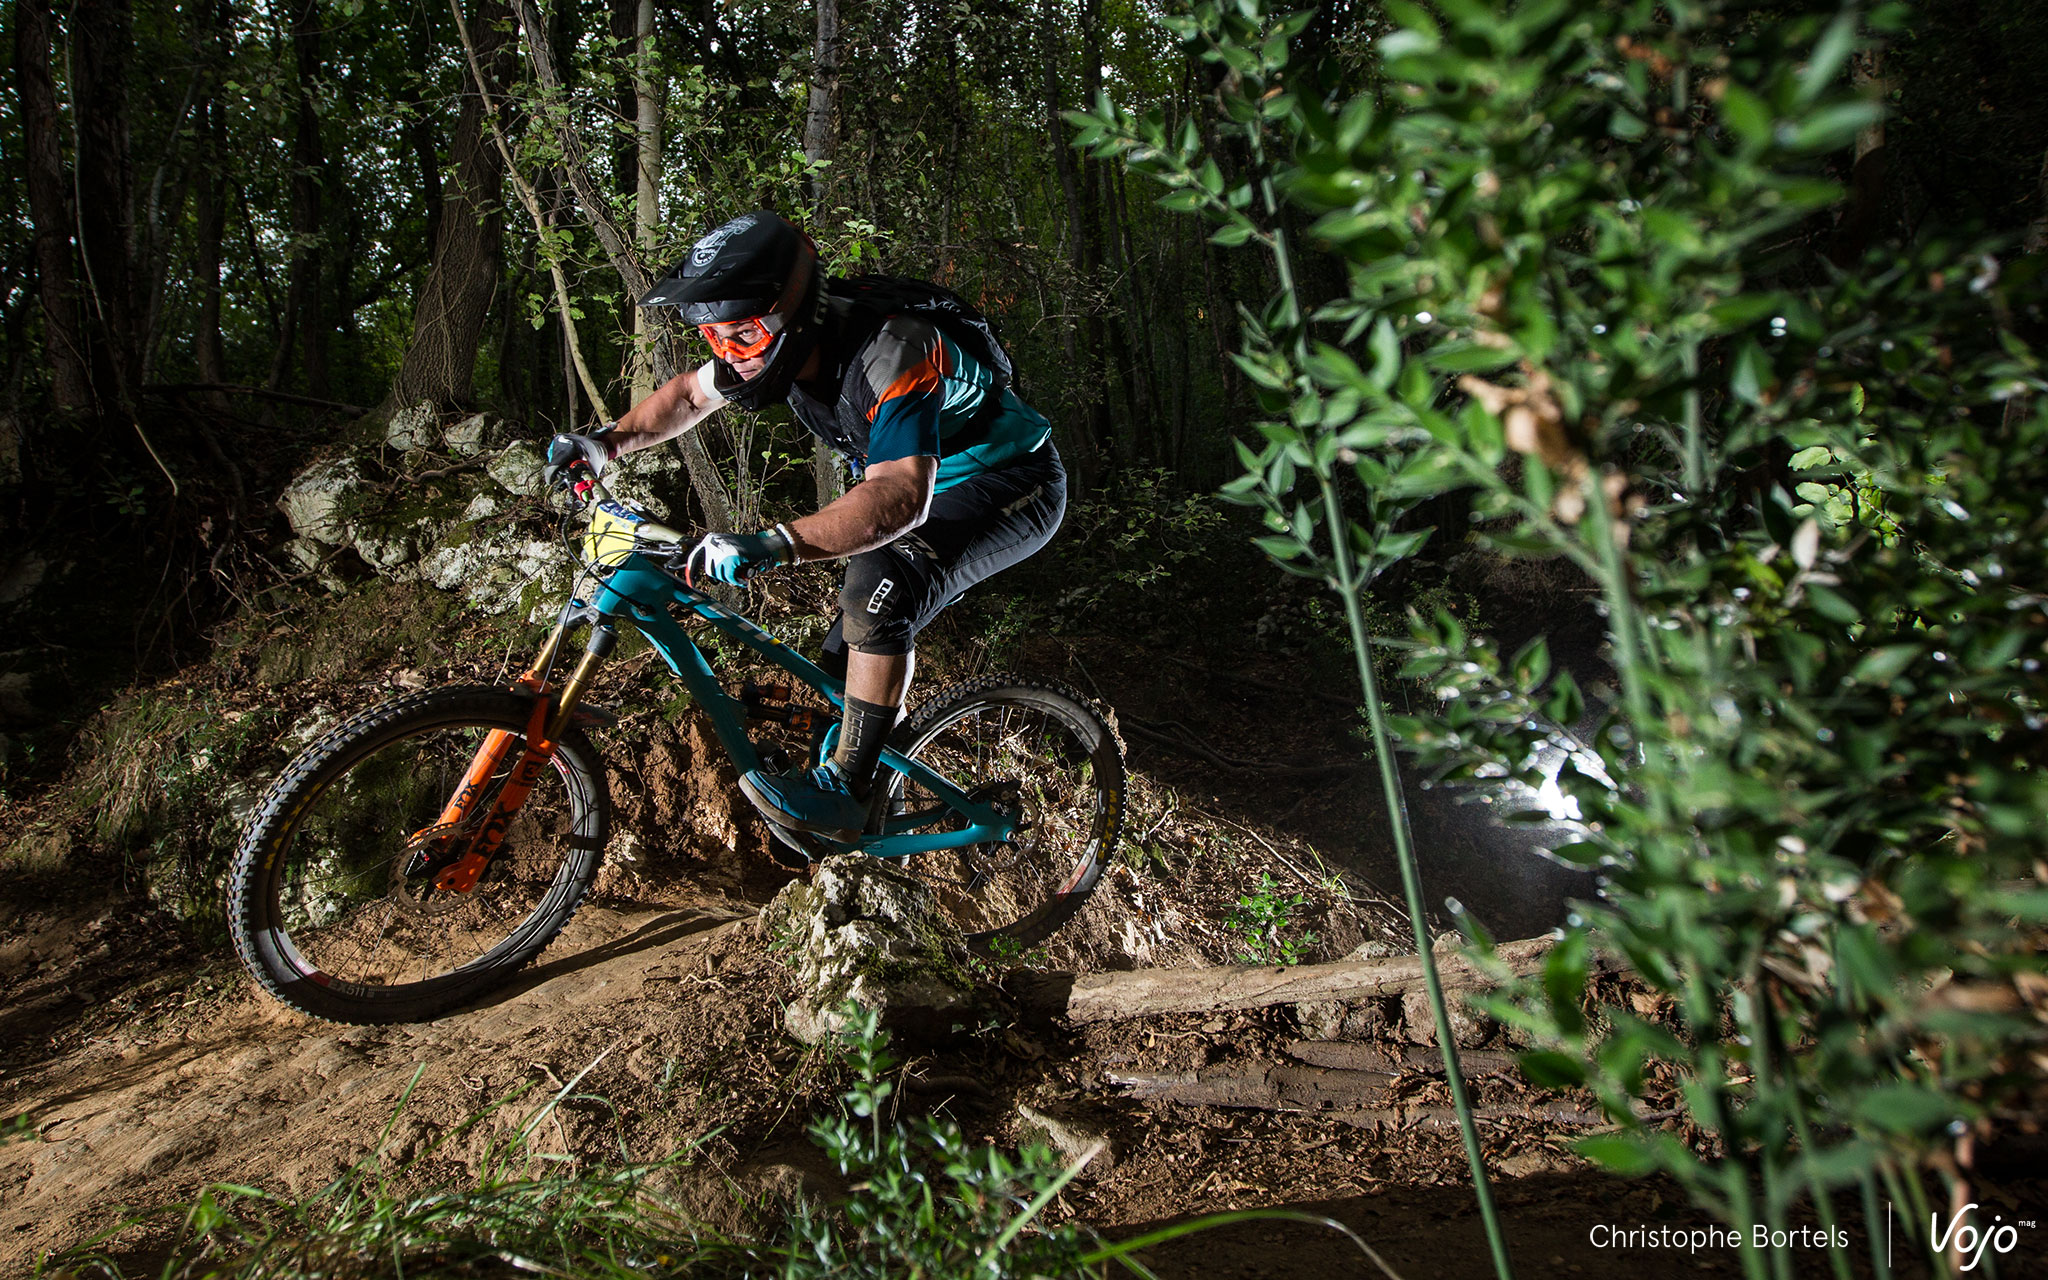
1043, 751
327, 903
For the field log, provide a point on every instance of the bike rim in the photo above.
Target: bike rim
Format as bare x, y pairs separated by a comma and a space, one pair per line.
353, 905
1044, 766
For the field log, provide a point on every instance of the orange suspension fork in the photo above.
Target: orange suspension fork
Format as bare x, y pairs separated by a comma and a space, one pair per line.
542, 731
490, 757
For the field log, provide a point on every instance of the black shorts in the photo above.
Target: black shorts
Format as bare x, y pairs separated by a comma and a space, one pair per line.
980, 526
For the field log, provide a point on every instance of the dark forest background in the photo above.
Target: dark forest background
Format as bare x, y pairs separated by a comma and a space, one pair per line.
236, 232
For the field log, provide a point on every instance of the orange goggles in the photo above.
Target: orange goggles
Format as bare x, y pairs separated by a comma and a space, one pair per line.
742, 339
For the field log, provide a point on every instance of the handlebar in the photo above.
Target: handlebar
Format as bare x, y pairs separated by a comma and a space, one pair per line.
586, 490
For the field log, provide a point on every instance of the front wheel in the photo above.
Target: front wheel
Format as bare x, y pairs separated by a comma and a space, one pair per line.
1043, 754
333, 900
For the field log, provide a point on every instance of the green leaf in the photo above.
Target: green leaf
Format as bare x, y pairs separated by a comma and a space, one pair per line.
1905, 1108
1579, 853
1746, 115
1564, 979
1233, 234
1744, 310
1399, 546
1467, 357
1832, 605
1333, 367
1549, 1069
1832, 50
1832, 127
1386, 355
1881, 666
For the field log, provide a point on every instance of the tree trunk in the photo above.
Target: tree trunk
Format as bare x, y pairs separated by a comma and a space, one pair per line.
440, 361
647, 179
209, 353
1084, 348
71, 387
704, 477
102, 41
822, 110
1859, 222
419, 130
308, 299
821, 139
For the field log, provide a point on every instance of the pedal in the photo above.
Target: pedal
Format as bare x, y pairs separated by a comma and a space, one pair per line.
788, 850
765, 701
774, 760
808, 722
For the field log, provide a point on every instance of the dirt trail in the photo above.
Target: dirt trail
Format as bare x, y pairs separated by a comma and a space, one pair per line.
250, 1092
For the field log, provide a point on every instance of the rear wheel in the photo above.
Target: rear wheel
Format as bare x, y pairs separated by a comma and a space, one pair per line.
1042, 754
332, 900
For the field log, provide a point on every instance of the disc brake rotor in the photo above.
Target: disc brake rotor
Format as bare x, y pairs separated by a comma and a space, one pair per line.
428, 852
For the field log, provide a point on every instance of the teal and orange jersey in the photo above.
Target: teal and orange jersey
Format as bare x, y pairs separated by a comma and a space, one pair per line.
912, 391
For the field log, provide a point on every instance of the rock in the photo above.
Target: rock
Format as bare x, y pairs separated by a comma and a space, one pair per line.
1529, 1162
517, 468
865, 931
468, 437
1373, 949
480, 507
1073, 1139
17, 703
656, 479
10, 449
416, 428
316, 501
392, 550
21, 576
1468, 1027
1341, 1019
528, 577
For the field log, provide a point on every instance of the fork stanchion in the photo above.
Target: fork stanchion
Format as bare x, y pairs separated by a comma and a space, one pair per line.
599, 647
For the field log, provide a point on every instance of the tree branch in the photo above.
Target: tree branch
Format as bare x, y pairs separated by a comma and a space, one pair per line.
532, 203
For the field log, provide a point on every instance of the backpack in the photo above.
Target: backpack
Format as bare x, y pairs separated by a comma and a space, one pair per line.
878, 297
875, 299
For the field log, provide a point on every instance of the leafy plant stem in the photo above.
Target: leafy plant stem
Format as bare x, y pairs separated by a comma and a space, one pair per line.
1624, 628
1695, 436
1349, 586
1880, 1256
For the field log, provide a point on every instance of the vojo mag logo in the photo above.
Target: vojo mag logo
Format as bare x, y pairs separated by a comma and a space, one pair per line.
1970, 1239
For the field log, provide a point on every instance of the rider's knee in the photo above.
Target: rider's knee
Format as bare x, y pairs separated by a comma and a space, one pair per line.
878, 606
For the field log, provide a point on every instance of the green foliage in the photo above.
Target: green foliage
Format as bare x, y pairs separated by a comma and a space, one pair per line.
1810, 498
929, 1202
1122, 548
1264, 923
923, 1201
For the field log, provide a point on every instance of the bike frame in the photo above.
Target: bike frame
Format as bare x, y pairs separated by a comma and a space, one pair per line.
639, 592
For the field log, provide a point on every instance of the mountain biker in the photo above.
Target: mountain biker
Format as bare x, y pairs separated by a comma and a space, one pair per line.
955, 477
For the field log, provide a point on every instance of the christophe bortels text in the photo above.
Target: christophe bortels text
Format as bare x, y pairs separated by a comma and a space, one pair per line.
1606, 1235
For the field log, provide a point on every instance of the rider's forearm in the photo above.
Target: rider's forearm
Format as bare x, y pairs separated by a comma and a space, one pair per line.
892, 500
671, 409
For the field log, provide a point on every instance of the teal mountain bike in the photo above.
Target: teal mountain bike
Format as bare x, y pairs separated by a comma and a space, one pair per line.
418, 854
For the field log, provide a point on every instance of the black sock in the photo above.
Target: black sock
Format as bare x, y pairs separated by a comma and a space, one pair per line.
863, 729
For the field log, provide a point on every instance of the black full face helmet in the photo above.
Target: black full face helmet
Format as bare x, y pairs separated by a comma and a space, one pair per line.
760, 268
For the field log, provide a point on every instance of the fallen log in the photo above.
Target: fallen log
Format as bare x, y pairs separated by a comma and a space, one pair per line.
1356, 1098
1350, 1055
1145, 993
1260, 1086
